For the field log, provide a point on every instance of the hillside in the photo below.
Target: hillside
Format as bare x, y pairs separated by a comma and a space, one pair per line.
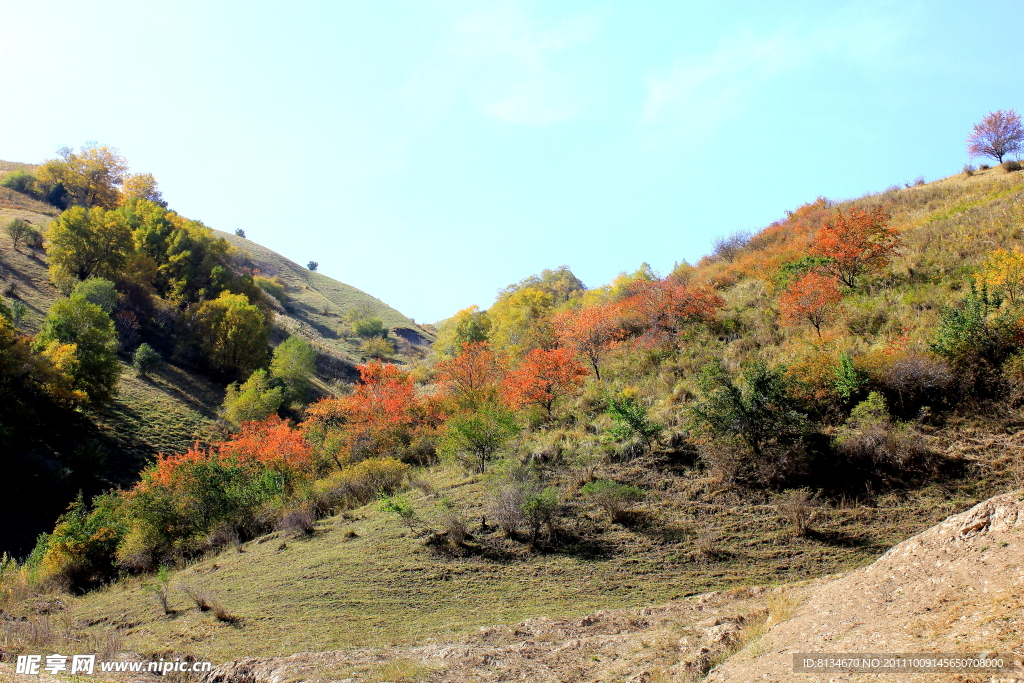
596, 452
174, 406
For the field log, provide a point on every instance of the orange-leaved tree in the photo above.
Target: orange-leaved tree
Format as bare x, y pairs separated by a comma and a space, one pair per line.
591, 331
658, 311
382, 415
473, 378
812, 298
1003, 272
856, 243
542, 377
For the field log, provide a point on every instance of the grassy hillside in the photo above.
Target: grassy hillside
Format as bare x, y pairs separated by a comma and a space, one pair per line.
174, 406
706, 510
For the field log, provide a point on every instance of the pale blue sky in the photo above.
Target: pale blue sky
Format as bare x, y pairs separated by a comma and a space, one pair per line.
431, 153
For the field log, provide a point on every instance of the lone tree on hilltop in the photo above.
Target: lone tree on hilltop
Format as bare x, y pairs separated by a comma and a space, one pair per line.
997, 135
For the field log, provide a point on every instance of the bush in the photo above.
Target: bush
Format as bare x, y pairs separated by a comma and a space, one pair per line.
915, 380
539, 508
799, 508
300, 521
360, 483
256, 399
476, 436
757, 410
377, 348
240, 233
983, 167
20, 181
369, 328
968, 170
400, 506
507, 508
145, 358
312, 265
611, 496
631, 420
1010, 166
272, 286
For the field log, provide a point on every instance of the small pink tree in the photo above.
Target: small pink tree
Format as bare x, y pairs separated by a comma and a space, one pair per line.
997, 135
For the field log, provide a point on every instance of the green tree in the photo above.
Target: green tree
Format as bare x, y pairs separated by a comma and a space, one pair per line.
465, 327
145, 358
18, 312
758, 409
369, 328
88, 242
612, 496
479, 434
97, 290
256, 399
91, 332
631, 420
18, 230
294, 363
232, 334
20, 181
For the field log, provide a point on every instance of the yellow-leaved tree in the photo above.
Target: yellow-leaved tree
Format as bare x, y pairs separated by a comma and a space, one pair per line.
1003, 271
92, 176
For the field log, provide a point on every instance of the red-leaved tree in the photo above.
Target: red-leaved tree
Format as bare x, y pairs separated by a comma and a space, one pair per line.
813, 298
997, 135
591, 332
856, 243
472, 378
657, 311
380, 416
542, 378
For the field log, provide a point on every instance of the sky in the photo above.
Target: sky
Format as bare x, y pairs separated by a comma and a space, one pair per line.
431, 152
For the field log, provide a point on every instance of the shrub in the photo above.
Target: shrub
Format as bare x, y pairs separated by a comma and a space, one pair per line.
272, 286
256, 399
400, 506
293, 364
631, 420
757, 410
612, 496
300, 521
983, 167
968, 170
240, 233
377, 348
20, 181
539, 508
507, 508
799, 508
849, 381
1010, 166
360, 483
145, 358
917, 379
369, 328
312, 265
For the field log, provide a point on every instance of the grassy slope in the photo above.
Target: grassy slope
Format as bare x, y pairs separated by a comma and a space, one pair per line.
166, 412
385, 586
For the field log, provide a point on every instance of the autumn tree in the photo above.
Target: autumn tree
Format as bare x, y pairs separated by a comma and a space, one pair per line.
142, 186
88, 242
472, 378
812, 298
997, 135
381, 416
856, 243
543, 377
518, 320
92, 176
1003, 272
590, 331
232, 334
658, 311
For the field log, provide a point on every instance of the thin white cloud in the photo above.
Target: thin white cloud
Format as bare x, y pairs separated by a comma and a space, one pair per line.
693, 96
507, 65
